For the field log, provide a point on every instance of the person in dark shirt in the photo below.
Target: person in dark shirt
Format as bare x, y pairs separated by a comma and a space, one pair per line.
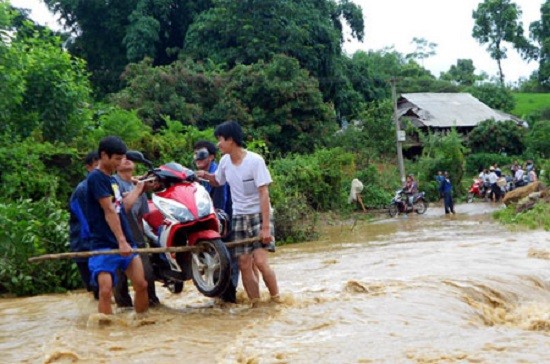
446, 188
79, 232
109, 229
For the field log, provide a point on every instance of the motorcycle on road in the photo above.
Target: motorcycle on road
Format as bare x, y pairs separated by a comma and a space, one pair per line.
182, 214
399, 204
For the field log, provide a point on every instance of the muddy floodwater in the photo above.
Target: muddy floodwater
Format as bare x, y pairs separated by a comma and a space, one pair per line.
412, 289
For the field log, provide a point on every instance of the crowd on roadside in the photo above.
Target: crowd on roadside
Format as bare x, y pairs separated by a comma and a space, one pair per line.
495, 183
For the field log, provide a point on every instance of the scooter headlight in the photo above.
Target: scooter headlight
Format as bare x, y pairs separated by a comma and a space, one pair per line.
204, 204
178, 212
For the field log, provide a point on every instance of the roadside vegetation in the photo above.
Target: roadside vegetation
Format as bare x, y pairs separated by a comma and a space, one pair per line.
162, 78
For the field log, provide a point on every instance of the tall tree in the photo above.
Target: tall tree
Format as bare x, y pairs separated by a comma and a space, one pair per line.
44, 90
462, 73
497, 22
110, 34
423, 50
244, 32
540, 32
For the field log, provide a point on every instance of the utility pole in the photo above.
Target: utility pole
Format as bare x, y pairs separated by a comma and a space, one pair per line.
398, 135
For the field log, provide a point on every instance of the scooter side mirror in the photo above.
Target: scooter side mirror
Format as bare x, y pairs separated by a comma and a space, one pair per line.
136, 156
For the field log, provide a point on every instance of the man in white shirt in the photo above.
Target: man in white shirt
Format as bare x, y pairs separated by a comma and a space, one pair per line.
249, 178
518, 177
495, 189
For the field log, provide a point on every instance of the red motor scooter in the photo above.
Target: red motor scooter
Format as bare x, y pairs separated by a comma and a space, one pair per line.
183, 214
479, 190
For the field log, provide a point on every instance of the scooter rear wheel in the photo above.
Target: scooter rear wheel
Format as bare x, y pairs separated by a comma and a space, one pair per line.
211, 268
174, 286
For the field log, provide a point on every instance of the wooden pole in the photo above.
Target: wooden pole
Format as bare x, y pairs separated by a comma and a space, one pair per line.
174, 249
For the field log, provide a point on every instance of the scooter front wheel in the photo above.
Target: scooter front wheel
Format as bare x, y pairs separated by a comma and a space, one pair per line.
211, 268
470, 197
393, 210
420, 207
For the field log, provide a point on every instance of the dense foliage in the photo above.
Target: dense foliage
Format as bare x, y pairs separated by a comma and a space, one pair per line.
277, 102
491, 136
43, 88
27, 229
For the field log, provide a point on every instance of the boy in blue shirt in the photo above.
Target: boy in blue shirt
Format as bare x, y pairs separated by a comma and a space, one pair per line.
109, 229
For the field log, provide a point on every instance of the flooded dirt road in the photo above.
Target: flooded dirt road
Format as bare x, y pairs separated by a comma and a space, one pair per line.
417, 289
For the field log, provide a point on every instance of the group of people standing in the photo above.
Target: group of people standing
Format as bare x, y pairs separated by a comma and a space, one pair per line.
523, 175
107, 210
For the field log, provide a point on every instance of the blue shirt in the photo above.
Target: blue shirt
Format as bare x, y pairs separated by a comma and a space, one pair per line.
79, 231
221, 196
446, 186
100, 186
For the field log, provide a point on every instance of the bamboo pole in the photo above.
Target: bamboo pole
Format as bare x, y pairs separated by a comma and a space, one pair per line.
174, 249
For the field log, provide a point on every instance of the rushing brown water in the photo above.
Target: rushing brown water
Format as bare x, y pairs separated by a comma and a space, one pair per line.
417, 289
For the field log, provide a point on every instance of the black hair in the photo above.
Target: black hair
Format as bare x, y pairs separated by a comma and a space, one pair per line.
211, 147
230, 129
111, 145
91, 158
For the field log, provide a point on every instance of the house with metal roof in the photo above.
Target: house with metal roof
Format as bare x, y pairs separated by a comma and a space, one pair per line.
438, 111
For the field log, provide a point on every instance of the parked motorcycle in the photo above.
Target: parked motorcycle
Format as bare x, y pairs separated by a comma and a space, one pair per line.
479, 189
399, 204
182, 214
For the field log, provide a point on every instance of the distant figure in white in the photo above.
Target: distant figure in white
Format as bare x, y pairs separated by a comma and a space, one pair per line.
355, 193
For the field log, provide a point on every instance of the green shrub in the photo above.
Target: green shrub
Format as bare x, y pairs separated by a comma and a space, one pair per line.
304, 184
28, 229
33, 169
378, 185
318, 176
538, 139
294, 219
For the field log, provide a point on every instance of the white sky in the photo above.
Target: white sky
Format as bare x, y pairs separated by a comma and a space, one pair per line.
448, 23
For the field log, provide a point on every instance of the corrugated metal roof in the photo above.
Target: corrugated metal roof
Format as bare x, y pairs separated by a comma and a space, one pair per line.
444, 110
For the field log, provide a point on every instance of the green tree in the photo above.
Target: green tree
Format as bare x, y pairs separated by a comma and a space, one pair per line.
494, 96
244, 32
110, 34
423, 50
491, 136
497, 22
540, 32
463, 73
538, 139
45, 90
183, 90
370, 72
278, 102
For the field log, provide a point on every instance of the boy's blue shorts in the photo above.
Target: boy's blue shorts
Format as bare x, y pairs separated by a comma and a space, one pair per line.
109, 264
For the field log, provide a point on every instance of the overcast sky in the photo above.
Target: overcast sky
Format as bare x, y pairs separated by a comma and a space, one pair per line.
448, 23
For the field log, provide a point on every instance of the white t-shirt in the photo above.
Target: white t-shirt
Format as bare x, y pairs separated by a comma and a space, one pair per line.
244, 179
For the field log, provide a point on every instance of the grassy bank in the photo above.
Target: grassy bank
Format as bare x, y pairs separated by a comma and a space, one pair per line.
536, 218
528, 103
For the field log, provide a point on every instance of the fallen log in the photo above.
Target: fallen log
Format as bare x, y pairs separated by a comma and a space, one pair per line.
174, 249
